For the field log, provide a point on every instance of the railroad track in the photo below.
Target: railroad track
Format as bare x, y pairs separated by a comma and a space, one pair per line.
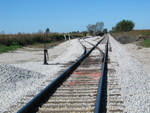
77, 89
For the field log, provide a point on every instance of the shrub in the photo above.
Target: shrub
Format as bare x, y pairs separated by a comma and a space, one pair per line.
25, 39
124, 25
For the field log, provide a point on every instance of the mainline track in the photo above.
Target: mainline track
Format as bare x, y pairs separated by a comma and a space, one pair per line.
74, 91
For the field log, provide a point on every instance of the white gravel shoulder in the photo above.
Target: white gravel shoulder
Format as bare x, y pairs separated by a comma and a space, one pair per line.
133, 78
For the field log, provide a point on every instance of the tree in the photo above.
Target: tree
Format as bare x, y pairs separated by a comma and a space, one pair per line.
105, 31
90, 28
124, 25
2, 32
99, 26
47, 30
40, 31
95, 28
91, 32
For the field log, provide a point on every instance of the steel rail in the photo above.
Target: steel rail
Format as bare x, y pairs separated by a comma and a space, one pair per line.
98, 108
51, 88
82, 46
96, 47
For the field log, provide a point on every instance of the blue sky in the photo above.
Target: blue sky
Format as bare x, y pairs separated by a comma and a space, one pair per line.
30, 16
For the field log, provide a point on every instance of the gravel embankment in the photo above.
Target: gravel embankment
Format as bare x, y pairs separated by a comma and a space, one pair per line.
134, 79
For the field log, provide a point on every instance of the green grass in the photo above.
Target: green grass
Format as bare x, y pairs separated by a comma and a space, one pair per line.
145, 43
4, 48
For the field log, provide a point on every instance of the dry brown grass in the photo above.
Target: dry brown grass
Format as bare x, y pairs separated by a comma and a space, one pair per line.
133, 33
42, 45
26, 39
132, 36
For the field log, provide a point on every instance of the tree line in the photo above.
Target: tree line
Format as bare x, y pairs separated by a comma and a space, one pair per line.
98, 27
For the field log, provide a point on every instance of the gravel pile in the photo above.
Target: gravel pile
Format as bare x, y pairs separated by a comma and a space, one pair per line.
15, 82
133, 78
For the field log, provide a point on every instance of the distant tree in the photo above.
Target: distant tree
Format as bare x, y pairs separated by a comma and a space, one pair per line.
91, 32
124, 25
2, 32
99, 33
78, 31
47, 30
105, 31
75, 32
90, 29
40, 31
95, 28
19, 33
99, 27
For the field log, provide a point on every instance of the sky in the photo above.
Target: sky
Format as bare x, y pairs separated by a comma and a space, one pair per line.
30, 16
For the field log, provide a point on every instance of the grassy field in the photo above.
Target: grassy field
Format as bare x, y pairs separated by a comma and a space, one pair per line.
143, 36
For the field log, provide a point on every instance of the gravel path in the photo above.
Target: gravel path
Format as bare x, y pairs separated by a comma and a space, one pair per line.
134, 79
